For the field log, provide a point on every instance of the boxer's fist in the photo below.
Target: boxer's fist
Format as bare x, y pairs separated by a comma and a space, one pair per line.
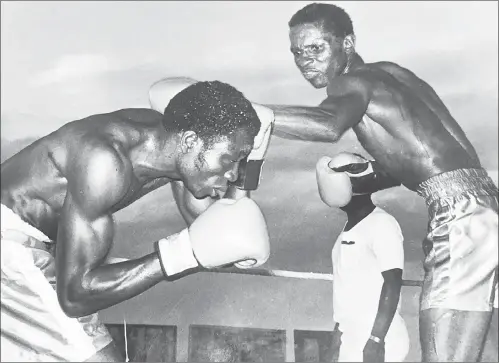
229, 231
335, 188
250, 168
262, 139
347, 174
161, 92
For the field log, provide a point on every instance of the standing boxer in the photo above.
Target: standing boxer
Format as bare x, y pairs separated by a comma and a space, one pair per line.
63, 190
368, 260
400, 120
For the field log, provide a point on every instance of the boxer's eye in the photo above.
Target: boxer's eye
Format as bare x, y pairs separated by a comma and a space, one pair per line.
315, 48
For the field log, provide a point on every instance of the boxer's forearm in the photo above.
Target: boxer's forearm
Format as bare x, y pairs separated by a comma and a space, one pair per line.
304, 123
383, 180
110, 284
388, 302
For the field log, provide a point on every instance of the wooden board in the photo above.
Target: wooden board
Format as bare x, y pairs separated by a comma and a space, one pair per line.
146, 343
233, 344
316, 346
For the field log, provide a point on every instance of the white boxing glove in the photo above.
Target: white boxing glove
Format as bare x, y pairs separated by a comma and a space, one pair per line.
341, 177
250, 168
229, 231
262, 139
335, 189
161, 92
347, 174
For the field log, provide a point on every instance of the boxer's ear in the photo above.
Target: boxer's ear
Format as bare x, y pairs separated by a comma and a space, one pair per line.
349, 44
188, 141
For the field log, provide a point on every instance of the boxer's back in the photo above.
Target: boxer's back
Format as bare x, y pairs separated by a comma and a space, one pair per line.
33, 181
418, 137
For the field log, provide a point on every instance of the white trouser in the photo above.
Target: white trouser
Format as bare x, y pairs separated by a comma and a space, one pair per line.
33, 325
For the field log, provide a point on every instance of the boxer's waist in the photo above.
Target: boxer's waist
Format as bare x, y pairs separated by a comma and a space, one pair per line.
17, 230
456, 182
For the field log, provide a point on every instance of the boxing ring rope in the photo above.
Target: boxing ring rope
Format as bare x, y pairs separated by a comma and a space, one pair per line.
291, 274
261, 272
274, 273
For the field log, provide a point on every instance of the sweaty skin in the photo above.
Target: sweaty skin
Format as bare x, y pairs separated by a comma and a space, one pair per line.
69, 183
404, 125
397, 117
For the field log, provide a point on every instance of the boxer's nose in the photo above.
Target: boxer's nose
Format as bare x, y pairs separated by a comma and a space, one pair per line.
304, 61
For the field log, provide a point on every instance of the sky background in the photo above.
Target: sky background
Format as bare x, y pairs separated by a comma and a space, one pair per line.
61, 61
66, 60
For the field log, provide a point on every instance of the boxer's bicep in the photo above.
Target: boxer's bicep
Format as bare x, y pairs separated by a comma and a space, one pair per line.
344, 107
347, 103
86, 228
83, 243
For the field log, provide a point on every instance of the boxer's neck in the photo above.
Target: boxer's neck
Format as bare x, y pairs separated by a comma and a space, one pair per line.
155, 154
354, 61
360, 206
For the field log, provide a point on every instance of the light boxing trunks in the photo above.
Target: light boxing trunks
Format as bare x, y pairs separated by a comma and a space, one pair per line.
33, 326
462, 243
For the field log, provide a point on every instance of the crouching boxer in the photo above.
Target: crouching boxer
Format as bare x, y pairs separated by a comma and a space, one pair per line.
249, 168
58, 198
368, 260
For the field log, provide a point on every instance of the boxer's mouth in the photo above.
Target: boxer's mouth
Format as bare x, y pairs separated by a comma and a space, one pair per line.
218, 192
309, 73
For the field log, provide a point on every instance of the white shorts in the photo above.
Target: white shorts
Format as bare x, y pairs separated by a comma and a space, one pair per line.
354, 339
33, 325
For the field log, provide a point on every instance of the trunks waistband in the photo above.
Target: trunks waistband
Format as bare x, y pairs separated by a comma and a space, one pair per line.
457, 182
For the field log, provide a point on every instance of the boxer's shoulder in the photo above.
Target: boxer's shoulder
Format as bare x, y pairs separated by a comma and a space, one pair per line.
100, 173
355, 82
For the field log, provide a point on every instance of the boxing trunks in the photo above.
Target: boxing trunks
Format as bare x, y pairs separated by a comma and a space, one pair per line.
461, 247
33, 325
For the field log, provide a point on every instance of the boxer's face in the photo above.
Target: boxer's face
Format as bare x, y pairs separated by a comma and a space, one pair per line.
206, 170
318, 54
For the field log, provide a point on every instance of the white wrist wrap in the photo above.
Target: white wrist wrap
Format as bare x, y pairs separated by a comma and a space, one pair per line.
175, 253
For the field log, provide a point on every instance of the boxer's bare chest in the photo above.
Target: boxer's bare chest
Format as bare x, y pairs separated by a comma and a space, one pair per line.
38, 197
138, 188
394, 149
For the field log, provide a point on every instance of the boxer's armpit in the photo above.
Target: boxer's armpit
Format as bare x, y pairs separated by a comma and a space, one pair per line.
326, 123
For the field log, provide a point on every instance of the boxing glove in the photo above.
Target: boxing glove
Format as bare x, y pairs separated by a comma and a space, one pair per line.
347, 174
229, 231
161, 92
250, 168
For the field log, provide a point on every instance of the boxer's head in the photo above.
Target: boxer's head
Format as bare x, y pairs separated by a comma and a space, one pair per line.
215, 127
322, 42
